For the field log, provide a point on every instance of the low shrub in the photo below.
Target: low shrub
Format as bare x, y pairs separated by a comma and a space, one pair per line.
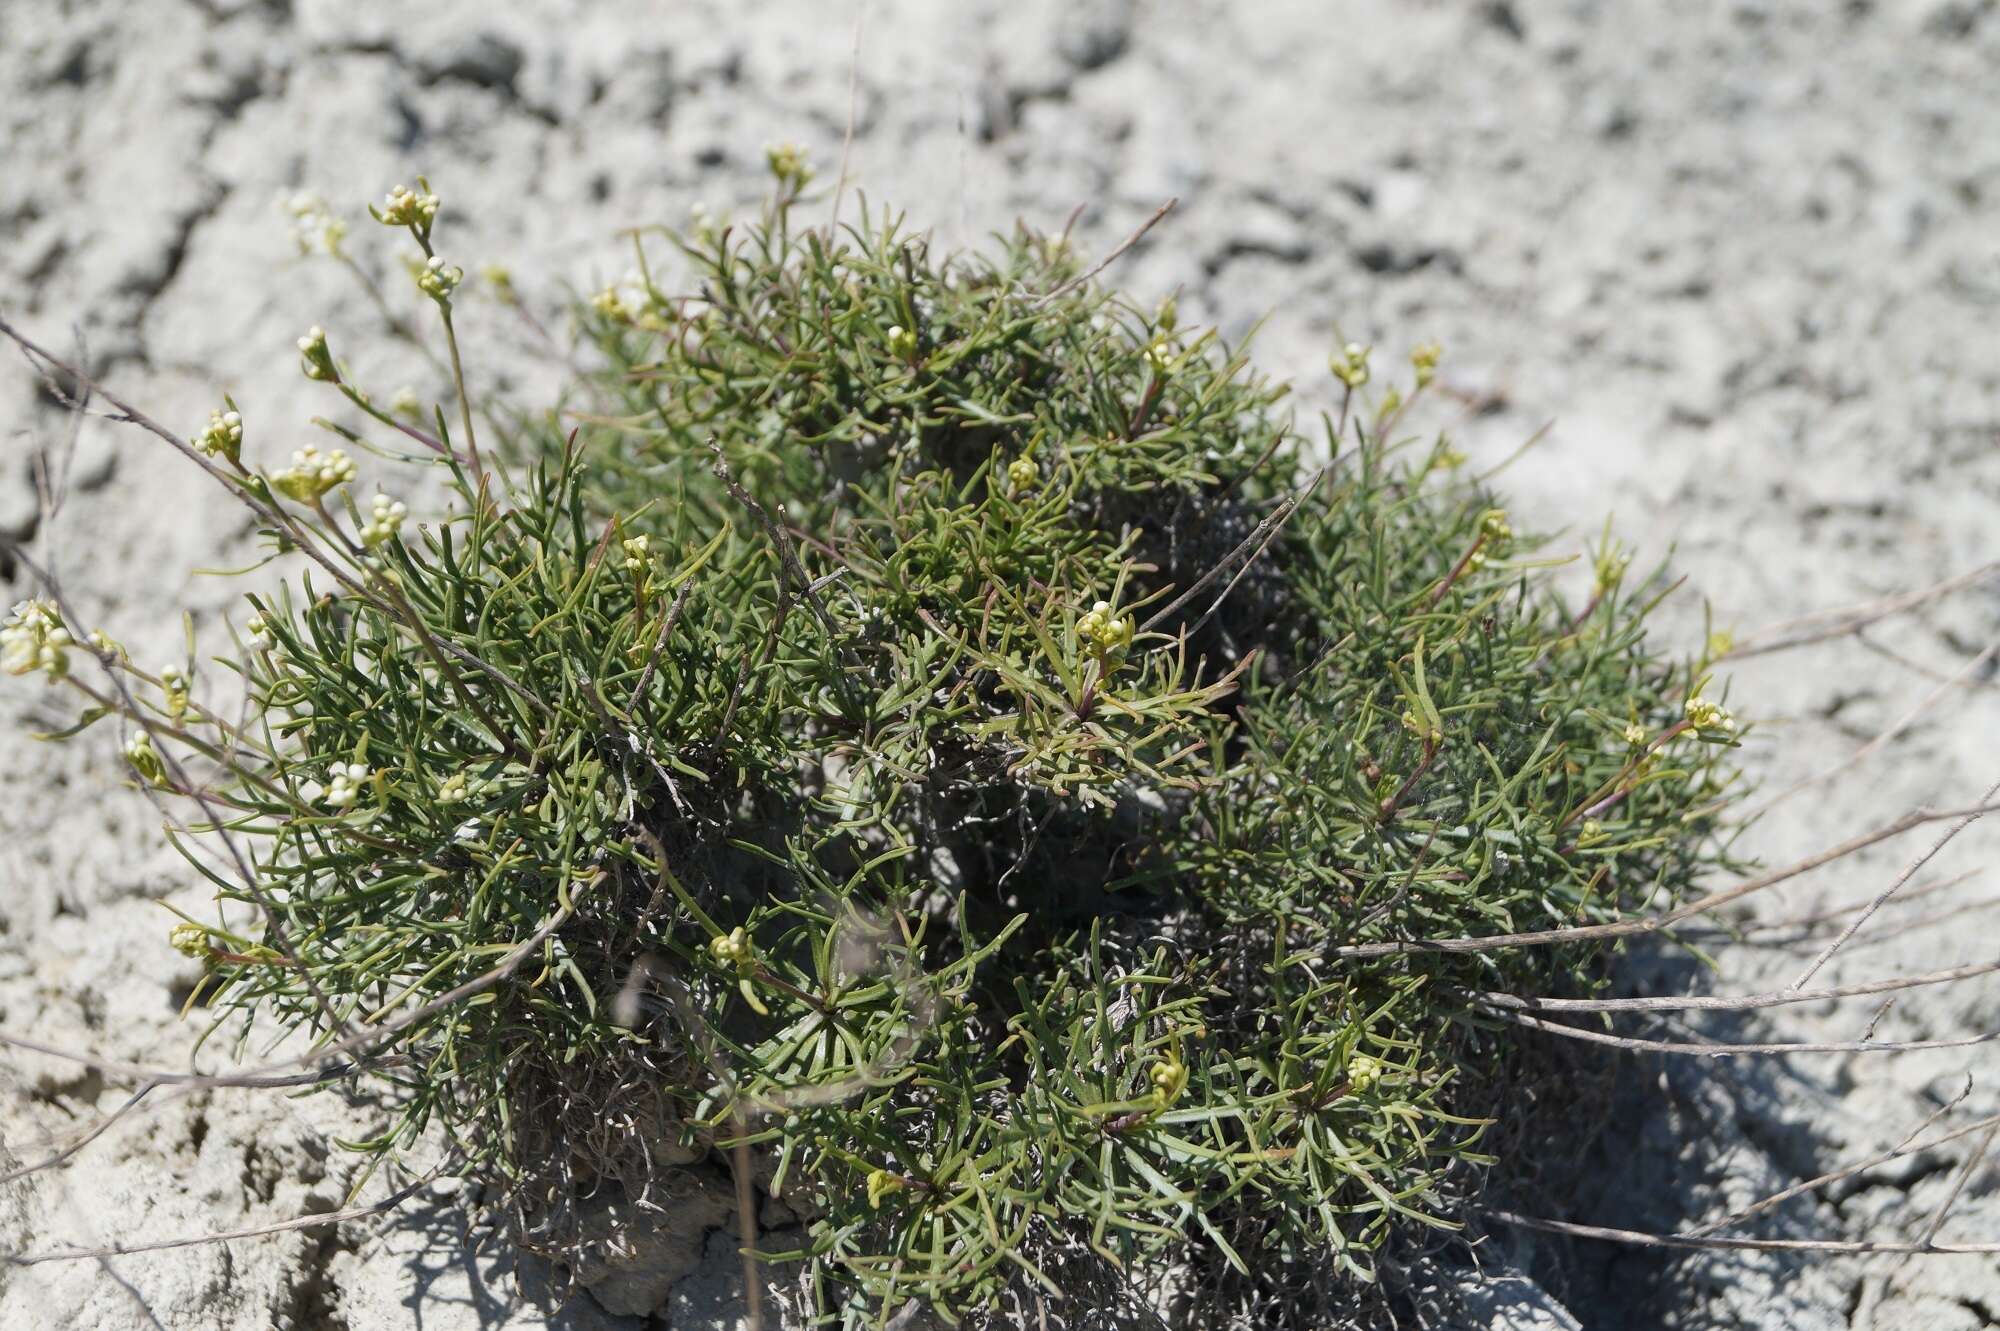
937, 732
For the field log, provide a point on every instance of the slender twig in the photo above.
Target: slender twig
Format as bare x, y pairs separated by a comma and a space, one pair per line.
97, 1130
1908, 1146
1641, 1239
1732, 1003
1826, 955
1260, 536
1822, 625
1110, 258
846, 150
1656, 923
374, 1037
1973, 1159
1876, 744
1727, 1049
389, 1203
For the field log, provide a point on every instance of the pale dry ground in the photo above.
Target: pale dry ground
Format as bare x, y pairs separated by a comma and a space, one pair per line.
1744, 255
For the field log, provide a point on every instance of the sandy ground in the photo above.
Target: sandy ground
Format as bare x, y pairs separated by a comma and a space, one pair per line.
1742, 255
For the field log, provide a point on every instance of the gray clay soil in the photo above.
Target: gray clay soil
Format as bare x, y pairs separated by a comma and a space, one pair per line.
1743, 255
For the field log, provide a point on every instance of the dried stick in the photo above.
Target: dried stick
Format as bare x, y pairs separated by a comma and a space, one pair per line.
1730, 1003
1806, 629
1973, 1160
1827, 954
1908, 1146
1582, 933
1260, 536
1641, 1239
97, 1130
263, 1075
388, 1203
1875, 745
1110, 258
1725, 1049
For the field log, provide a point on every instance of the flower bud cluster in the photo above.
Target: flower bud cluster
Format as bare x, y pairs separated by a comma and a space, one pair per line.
314, 474
733, 950
638, 553
1107, 634
438, 279
174, 683
403, 206
190, 940
1424, 360
1350, 365
317, 360
385, 515
458, 788
145, 759
33, 638
788, 165
1168, 1078
224, 436
315, 230
1709, 718
343, 784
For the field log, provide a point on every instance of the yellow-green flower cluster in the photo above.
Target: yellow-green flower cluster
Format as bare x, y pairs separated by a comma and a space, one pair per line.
638, 553
902, 342
174, 684
1363, 1071
315, 230
1108, 635
33, 638
880, 1184
145, 759
403, 206
314, 474
1611, 566
385, 515
788, 165
1494, 537
190, 940
1423, 730
1707, 717
1168, 1078
733, 950
1350, 364
224, 435
438, 279
458, 788
1424, 360
317, 361
1022, 474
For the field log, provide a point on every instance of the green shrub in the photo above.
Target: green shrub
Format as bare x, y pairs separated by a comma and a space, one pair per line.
926, 719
